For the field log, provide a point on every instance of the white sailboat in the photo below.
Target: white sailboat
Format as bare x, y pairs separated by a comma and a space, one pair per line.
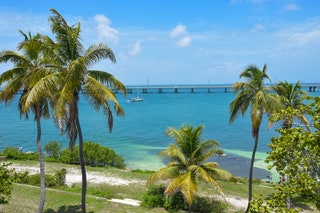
137, 99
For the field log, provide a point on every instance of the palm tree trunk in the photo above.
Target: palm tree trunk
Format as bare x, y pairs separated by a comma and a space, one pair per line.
251, 168
41, 159
82, 165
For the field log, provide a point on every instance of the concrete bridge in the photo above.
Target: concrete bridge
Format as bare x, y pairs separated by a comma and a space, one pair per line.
194, 88
197, 88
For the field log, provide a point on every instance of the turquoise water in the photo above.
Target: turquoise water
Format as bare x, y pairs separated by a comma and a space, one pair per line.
140, 135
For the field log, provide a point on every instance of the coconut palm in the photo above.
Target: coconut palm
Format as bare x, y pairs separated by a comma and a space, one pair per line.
292, 97
189, 163
74, 62
254, 94
28, 68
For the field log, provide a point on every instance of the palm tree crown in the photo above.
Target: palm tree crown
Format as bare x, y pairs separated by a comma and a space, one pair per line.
291, 96
255, 94
189, 162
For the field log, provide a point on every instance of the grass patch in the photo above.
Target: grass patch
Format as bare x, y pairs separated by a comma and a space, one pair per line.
67, 199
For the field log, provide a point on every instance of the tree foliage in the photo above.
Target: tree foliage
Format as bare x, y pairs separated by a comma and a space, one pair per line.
94, 154
6, 181
295, 154
53, 149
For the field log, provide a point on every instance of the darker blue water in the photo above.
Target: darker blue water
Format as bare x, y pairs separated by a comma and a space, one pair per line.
140, 135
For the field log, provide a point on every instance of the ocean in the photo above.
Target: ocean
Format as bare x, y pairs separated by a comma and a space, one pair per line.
140, 135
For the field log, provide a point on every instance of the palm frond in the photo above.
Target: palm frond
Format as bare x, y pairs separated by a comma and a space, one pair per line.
240, 104
11, 89
163, 174
107, 79
95, 53
14, 57
174, 153
208, 178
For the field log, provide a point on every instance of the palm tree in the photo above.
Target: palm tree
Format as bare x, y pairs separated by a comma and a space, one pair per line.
96, 85
292, 97
189, 163
28, 69
255, 94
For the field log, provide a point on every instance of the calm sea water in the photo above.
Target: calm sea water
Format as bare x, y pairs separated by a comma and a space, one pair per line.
140, 135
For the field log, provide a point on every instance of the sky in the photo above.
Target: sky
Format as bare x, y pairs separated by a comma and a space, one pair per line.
183, 41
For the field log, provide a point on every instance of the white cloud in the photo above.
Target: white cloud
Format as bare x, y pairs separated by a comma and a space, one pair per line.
305, 37
104, 29
136, 49
178, 30
301, 34
258, 28
291, 7
184, 42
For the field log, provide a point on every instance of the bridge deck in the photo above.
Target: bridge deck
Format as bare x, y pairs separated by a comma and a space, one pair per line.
193, 89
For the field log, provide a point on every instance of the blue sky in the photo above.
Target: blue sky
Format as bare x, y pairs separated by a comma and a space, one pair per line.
184, 42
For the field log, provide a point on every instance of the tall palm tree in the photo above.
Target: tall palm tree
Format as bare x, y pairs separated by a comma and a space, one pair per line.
28, 68
292, 96
189, 163
254, 94
96, 85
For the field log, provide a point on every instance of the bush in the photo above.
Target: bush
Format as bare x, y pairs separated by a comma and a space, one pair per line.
21, 177
6, 181
58, 179
207, 205
97, 155
94, 155
70, 156
154, 197
53, 149
176, 202
15, 154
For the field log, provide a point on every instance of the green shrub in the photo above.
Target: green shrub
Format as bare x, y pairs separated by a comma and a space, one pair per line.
35, 180
60, 177
207, 205
70, 156
6, 181
154, 197
94, 155
21, 177
97, 155
15, 154
176, 202
12, 153
53, 149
